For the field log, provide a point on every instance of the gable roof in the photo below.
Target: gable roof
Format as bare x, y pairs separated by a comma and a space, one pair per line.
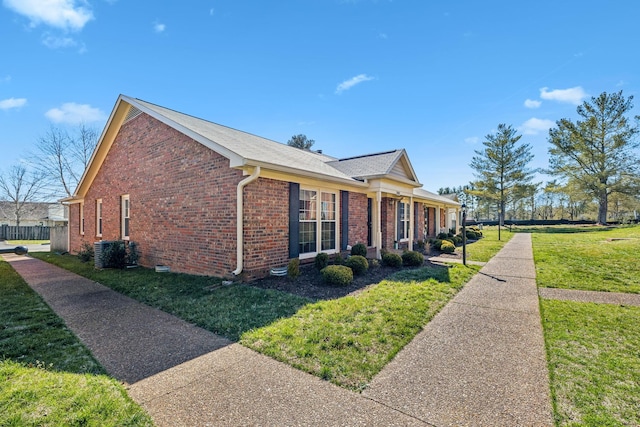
393, 164
243, 148
434, 197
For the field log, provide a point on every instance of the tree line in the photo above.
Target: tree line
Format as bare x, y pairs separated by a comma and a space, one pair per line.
594, 160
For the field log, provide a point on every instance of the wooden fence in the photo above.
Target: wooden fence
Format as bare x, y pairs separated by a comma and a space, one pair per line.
59, 238
35, 232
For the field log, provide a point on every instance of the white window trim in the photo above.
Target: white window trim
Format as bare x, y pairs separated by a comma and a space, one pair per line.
123, 198
82, 218
319, 192
99, 221
407, 227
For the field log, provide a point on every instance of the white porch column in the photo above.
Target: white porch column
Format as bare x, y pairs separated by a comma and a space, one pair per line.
437, 220
377, 224
411, 223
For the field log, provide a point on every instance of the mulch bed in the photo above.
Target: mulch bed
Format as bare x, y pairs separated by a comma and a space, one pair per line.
310, 284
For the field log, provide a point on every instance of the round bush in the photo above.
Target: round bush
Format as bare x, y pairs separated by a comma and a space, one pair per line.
442, 236
412, 258
293, 268
358, 264
435, 244
322, 260
338, 275
359, 249
447, 247
392, 260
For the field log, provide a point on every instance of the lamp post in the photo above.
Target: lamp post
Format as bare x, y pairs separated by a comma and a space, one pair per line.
464, 234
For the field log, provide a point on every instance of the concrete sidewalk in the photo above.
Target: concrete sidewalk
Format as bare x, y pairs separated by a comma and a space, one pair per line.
480, 361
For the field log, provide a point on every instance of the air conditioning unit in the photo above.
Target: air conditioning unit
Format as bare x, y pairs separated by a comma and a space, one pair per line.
98, 250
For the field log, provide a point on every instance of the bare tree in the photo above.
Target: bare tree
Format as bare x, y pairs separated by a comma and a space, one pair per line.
20, 187
62, 158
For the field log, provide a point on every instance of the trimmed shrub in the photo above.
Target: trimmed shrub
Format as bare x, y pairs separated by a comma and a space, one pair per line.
412, 258
457, 239
86, 252
442, 236
293, 268
359, 249
436, 244
358, 264
392, 260
338, 275
322, 260
115, 255
447, 247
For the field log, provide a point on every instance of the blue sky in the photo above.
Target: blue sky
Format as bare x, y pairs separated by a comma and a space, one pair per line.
358, 76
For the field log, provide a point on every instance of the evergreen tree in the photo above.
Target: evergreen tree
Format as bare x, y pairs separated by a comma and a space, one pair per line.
598, 153
501, 167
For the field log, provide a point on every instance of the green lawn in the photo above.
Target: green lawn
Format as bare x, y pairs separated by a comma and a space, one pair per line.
587, 258
593, 352
225, 310
349, 340
484, 249
47, 377
27, 242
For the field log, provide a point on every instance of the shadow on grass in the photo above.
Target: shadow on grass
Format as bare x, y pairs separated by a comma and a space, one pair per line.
32, 334
232, 310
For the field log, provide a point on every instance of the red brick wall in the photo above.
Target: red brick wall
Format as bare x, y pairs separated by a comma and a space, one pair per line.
432, 221
387, 208
266, 232
357, 219
443, 219
182, 196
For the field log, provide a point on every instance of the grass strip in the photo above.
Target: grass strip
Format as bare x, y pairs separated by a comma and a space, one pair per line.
587, 258
484, 249
47, 377
225, 310
349, 340
593, 352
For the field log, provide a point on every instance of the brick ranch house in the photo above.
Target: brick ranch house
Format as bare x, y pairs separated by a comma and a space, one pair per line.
206, 199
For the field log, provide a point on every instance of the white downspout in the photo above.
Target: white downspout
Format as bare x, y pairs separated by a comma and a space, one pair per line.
378, 232
240, 218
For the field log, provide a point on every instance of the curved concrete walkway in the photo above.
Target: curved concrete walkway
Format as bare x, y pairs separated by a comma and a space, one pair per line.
480, 361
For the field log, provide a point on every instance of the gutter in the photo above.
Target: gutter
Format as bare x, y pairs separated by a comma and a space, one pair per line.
240, 218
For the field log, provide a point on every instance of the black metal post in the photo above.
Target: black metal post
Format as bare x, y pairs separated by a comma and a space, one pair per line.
464, 234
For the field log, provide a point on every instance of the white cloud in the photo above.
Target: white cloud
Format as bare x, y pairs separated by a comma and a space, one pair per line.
63, 14
383, 36
7, 104
532, 103
472, 140
534, 126
54, 42
573, 95
211, 11
5, 79
348, 84
158, 27
73, 113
